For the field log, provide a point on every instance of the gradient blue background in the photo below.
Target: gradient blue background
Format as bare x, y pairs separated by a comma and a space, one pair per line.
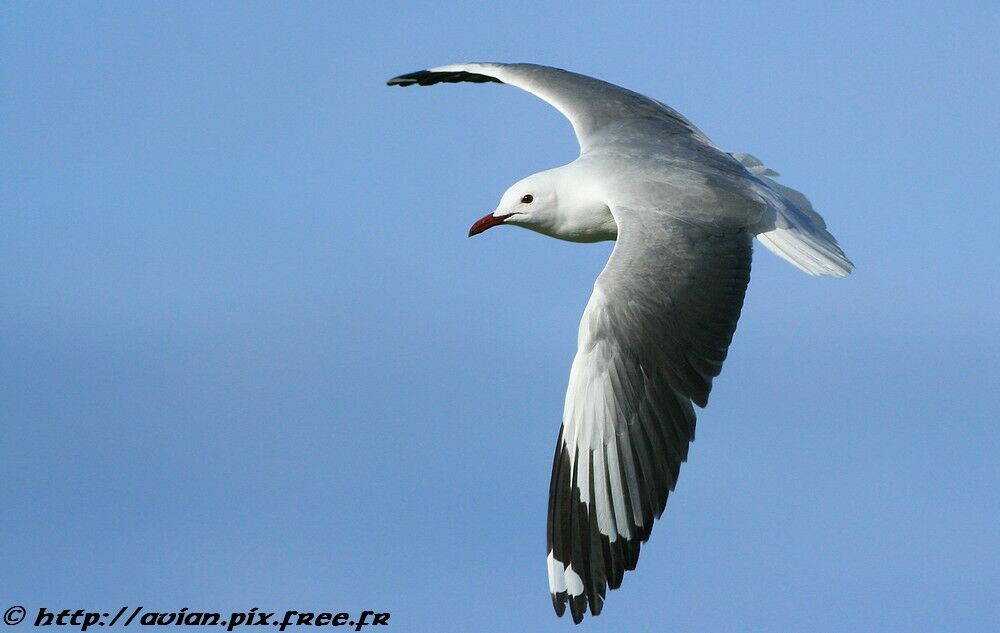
248, 356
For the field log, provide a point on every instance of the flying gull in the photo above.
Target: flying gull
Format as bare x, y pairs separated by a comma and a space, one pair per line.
658, 325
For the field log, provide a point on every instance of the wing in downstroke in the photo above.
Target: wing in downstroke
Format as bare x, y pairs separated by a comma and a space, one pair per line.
653, 336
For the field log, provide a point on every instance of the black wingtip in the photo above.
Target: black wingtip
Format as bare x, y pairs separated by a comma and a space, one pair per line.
559, 602
578, 607
408, 79
428, 78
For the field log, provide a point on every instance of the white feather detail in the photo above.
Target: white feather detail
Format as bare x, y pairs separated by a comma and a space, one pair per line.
574, 584
563, 578
605, 515
557, 577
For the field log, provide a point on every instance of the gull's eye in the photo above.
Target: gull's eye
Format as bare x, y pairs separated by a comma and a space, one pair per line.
527, 198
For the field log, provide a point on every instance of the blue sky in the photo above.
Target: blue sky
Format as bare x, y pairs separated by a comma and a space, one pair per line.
248, 356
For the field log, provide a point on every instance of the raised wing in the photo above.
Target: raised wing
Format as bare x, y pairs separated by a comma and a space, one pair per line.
589, 104
653, 336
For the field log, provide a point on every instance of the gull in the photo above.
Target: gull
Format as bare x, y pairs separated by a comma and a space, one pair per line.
683, 214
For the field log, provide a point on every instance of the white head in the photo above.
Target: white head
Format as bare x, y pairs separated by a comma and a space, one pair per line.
531, 203
552, 203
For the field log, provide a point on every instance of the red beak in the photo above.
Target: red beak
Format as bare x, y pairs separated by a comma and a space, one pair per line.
487, 222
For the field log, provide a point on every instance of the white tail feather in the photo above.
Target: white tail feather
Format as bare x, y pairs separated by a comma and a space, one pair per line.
793, 230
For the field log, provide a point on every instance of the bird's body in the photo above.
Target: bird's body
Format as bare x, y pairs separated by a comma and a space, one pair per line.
664, 309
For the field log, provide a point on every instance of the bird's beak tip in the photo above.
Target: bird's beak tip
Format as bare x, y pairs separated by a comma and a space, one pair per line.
486, 222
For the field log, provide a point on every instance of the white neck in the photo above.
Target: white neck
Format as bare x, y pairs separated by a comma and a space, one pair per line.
581, 215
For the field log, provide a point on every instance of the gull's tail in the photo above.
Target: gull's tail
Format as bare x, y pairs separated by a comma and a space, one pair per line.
793, 230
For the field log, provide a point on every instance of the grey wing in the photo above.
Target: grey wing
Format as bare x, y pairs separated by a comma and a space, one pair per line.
653, 336
589, 104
